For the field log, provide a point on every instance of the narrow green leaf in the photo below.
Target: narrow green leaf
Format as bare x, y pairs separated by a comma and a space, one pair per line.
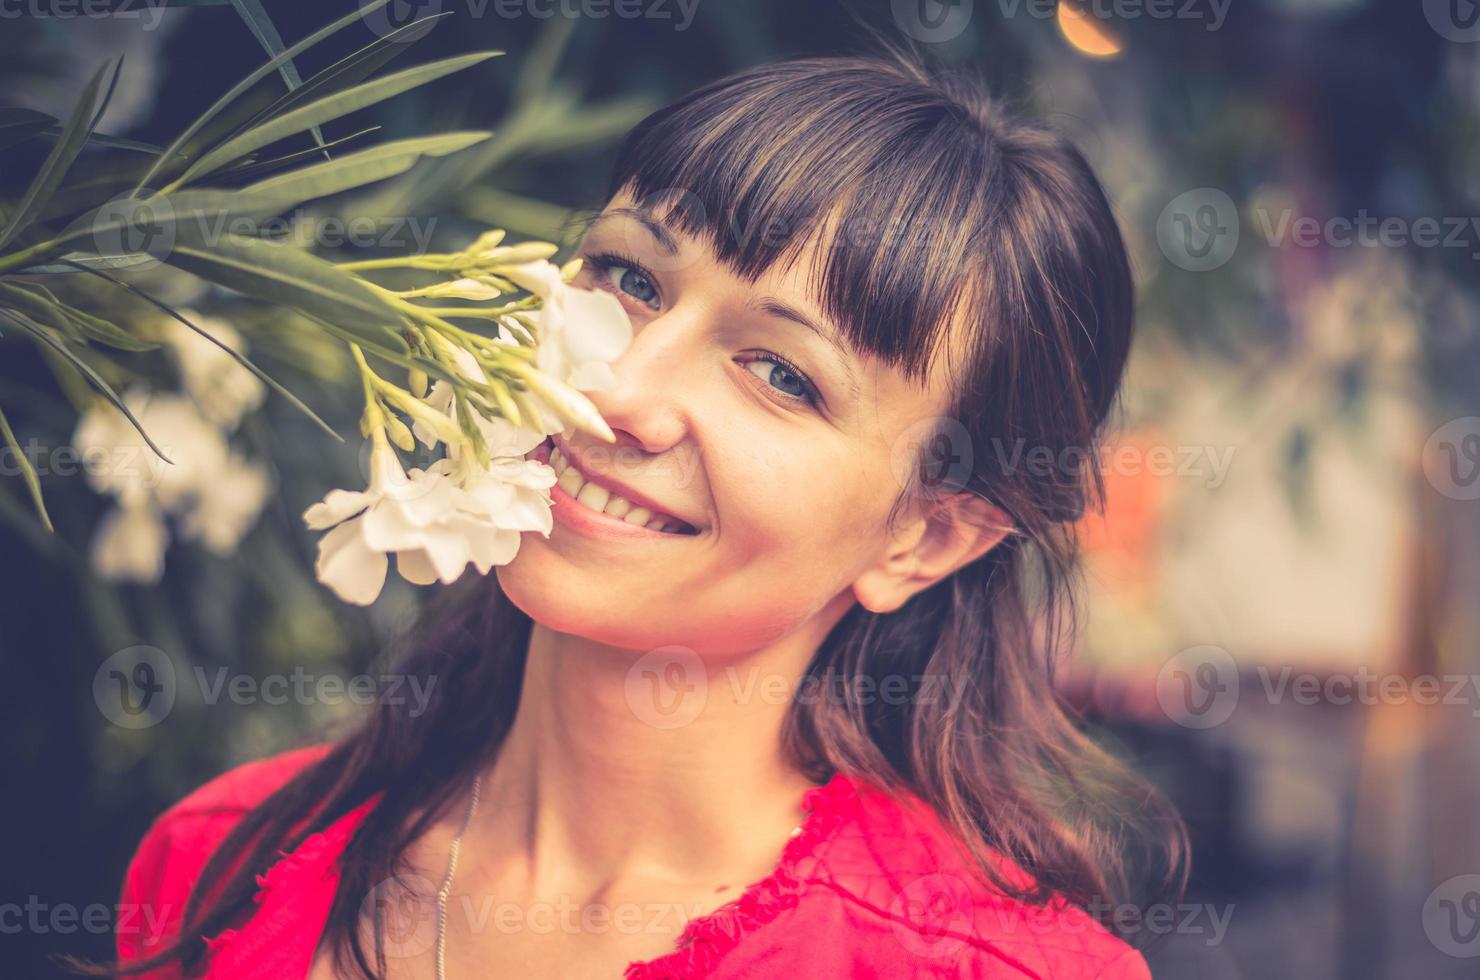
364, 167
330, 107
265, 32
57, 162
165, 217
83, 325
28, 472
18, 125
240, 358
252, 167
345, 72
261, 72
107, 95
87, 371
289, 277
46, 309
68, 263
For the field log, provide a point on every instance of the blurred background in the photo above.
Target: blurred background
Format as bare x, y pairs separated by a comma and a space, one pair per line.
1282, 599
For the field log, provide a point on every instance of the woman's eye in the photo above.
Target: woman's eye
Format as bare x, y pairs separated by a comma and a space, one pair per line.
634, 283
776, 373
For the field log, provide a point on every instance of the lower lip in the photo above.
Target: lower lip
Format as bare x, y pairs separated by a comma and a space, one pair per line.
578, 517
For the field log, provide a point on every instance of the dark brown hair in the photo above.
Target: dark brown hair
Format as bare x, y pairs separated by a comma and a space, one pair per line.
955, 231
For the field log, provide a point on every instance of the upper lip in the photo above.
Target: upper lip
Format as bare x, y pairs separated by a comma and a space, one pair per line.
636, 497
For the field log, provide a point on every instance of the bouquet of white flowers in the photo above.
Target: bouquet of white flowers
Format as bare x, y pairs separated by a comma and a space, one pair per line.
494, 344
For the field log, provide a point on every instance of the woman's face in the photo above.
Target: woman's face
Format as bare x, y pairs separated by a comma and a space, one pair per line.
786, 452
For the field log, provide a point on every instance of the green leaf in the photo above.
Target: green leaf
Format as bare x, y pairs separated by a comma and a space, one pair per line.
87, 371
81, 325
266, 33
364, 167
45, 309
289, 277
181, 209
261, 72
28, 472
330, 107
72, 260
252, 167
57, 162
236, 355
18, 125
343, 73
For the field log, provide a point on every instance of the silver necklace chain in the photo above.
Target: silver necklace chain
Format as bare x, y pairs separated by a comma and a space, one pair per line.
445, 891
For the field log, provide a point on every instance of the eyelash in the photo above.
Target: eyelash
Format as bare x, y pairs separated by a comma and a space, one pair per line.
604, 262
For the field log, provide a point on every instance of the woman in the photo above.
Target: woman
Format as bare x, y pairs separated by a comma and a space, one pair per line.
774, 696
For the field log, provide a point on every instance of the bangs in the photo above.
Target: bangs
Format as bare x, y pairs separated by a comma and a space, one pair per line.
889, 178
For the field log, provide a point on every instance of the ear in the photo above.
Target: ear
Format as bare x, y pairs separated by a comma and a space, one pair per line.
952, 532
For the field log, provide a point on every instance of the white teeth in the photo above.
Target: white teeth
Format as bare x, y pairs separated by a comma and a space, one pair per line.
594, 497
601, 500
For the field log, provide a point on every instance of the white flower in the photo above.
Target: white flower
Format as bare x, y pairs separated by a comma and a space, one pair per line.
224, 389
581, 331
130, 542
218, 493
435, 521
220, 516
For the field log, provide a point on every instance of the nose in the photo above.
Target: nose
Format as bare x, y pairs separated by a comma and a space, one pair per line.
649, 405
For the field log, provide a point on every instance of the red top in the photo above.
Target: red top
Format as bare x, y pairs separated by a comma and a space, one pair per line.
871, 886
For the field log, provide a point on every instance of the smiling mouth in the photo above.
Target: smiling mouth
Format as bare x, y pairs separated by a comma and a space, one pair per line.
597, 498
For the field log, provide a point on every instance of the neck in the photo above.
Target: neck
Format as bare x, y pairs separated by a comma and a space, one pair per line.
622, 765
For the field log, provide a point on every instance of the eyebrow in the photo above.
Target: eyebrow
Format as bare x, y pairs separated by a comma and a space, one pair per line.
777, 308
655, 227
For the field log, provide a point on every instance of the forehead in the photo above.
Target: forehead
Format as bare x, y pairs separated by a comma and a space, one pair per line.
795, 279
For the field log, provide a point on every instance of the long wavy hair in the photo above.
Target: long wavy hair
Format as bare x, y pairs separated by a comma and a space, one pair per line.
946, 209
